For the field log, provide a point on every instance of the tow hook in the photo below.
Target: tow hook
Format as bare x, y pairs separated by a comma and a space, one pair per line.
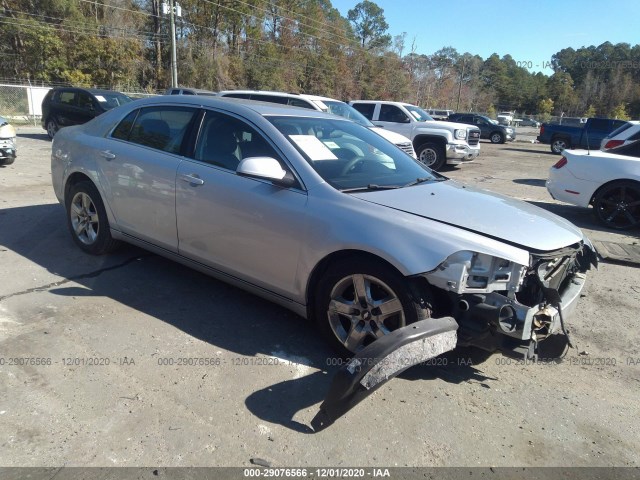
382, 360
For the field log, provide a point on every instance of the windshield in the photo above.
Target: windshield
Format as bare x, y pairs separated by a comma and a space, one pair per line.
419, 114
347, 111
349, 156
112, 100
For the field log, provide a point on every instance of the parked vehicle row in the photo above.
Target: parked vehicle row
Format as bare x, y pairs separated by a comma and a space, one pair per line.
322, 104
363, 245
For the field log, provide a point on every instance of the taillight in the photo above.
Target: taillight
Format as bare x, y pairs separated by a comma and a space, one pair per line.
613, 144
541, 130
561, 163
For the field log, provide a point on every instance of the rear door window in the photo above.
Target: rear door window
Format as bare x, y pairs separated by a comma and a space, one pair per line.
162, 128
269, 98
67, 98
297, 102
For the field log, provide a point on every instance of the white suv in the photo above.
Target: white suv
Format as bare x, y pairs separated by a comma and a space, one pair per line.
323, 104
436, 143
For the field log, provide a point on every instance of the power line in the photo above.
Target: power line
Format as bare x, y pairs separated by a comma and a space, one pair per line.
293, 30
86, 26
48, 26
140, 12
321, 23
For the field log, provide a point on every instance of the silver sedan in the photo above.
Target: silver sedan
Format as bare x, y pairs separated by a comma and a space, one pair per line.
321, 215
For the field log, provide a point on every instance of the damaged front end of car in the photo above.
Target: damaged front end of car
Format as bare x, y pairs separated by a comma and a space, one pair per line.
517, 309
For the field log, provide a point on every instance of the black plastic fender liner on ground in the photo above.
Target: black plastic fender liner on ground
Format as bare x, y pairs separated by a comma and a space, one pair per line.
382, 360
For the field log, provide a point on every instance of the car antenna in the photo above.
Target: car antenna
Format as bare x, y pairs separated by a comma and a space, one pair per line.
586, 133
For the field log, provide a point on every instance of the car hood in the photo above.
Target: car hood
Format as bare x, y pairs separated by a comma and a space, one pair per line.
393, 137
493, 215
451, 125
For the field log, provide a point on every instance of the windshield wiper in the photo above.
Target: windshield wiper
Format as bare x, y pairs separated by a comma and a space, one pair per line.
371, 186
422, 180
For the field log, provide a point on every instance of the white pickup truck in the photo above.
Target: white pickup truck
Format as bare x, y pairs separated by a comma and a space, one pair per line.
436, 143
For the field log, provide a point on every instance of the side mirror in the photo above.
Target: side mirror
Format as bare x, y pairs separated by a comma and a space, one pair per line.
266, 168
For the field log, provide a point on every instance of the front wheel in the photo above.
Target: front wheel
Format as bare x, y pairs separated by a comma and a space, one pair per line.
87, 219
360, 301
558, 145
431, 155
497, 137
617, 205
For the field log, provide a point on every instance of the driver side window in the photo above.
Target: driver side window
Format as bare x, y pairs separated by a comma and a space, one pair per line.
391, 113
224, 141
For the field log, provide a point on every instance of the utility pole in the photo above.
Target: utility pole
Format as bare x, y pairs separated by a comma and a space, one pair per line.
173, 9
460, 87
174, 61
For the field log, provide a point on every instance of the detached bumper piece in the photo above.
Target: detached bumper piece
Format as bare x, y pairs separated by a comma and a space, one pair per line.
381, 361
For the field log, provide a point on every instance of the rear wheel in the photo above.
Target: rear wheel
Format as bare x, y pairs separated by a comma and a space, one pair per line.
617, 205
52, 128
87, 219
432, 155
559, 144
359, 301
497, 137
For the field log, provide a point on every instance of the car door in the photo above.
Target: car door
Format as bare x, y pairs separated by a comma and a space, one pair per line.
245, 227
85, 108
138, 165
483, 125
395, 119
64, 110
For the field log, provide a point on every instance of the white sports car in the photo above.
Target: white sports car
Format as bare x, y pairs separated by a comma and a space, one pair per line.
610, 182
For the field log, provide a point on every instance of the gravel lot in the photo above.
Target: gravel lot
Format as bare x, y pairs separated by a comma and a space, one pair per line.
86, 346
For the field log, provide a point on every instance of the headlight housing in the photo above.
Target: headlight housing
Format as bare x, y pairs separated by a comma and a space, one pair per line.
474, 272
460, 134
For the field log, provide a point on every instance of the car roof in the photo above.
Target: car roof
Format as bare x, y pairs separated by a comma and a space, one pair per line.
319, 97
239, 105
94, 91
263, 92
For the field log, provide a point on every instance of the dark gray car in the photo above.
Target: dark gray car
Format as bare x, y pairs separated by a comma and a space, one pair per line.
489, 129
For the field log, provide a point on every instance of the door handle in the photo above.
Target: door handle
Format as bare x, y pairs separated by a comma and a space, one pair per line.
192, 179
107, 154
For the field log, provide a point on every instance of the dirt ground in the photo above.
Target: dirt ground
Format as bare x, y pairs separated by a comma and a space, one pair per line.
90, 350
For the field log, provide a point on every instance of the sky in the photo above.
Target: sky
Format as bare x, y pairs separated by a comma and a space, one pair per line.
530, 31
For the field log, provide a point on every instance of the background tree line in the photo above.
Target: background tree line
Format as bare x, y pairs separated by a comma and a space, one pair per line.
297, 46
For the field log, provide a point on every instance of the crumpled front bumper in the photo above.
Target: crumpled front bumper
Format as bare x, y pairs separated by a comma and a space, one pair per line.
382, 360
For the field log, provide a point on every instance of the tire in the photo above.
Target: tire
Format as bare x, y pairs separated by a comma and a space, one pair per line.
87, 219
431, 155
617, 205
350, 325
52, 128
559, 144
7, 161
496, 137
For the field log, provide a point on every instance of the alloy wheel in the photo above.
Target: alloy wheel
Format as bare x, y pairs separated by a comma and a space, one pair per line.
362, 309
